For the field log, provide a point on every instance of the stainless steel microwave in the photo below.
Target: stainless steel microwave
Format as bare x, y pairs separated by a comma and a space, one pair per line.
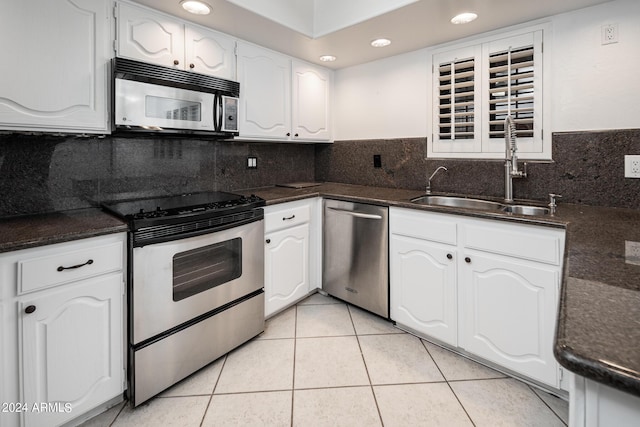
153, 98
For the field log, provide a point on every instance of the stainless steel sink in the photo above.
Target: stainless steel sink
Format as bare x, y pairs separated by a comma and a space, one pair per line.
526, 210
479, 204
458, 202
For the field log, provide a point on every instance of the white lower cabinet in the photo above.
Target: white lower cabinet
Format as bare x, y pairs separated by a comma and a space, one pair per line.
508, 313
292, 236
72, 349
286, 267
63, 337
487, 287
593, 404
424, 287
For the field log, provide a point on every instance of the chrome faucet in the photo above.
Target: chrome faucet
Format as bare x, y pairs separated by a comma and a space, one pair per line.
431, 177
511, 159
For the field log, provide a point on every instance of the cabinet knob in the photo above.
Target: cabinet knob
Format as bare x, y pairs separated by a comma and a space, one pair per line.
288, 133
30, 309
176, 62
192, 66
467, 260
449, 256
296, 135
268, 241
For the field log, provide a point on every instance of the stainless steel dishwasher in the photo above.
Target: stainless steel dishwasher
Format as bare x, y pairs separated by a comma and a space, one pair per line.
355, 254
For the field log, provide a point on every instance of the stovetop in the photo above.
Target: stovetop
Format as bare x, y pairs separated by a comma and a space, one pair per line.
187, 206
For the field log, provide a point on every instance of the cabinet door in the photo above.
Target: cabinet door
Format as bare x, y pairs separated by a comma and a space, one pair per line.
423, 287
286, 267
508, 314
72, 348
150, 37
265, 95
310, 103
209, 52
54, 67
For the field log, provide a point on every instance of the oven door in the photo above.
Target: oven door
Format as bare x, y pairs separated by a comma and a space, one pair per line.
177, 281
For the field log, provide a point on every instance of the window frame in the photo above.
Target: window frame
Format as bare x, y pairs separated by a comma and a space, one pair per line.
481, 146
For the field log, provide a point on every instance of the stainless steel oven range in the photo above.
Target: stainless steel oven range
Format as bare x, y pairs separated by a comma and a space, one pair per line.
195, 283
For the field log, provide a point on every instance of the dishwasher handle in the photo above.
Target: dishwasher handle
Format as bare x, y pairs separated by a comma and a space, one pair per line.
356, 214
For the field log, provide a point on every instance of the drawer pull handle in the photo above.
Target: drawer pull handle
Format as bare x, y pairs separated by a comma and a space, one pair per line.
467, 260
449, 256
30, 309
288, 218
61, 268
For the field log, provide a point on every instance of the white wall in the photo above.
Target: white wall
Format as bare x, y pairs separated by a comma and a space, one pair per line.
594, 86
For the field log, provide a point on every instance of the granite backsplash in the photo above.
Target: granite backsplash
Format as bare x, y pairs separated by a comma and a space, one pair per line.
588, 168
45, 173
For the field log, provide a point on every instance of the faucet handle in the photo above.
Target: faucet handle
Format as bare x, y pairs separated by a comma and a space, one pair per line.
552, 201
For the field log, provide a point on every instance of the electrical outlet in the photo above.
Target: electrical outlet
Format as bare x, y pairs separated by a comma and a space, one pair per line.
252, 162
632, 166
632, 252
610, 34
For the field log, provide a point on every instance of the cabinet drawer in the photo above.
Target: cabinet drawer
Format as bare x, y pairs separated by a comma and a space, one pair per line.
287, 216
68, 262
423, 225
538, 244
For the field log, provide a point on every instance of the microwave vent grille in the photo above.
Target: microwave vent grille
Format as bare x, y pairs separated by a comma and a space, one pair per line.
150, 73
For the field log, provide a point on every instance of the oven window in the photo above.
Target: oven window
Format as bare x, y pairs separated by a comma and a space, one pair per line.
171, 108
204, 268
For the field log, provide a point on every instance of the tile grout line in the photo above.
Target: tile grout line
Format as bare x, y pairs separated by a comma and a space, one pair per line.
446, 381
126, 402
365, 366
293, 379
545, 403
224, 362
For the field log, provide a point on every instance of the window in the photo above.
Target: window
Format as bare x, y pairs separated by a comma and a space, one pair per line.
475, 87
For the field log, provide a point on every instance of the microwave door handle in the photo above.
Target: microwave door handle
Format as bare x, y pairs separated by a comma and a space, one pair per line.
217, 112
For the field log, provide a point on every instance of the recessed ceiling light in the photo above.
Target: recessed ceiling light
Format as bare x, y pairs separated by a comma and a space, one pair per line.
464, 18
196, 7
327, 58
380, 42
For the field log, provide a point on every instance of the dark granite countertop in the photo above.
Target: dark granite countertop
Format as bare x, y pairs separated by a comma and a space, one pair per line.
28, 231
598, 329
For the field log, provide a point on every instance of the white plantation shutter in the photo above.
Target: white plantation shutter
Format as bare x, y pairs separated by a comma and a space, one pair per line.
456, 118
511, 91
513, 86
456, 99
476, 87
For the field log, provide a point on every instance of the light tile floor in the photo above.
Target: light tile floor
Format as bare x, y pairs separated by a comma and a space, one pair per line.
326, 363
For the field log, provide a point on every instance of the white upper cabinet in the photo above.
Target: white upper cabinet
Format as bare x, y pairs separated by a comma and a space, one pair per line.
265, 93
55, 72
154, 37
150, 37
310, 102
282, 99
209, 52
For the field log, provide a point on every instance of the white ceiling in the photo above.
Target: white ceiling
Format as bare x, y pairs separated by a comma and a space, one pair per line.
312, 28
